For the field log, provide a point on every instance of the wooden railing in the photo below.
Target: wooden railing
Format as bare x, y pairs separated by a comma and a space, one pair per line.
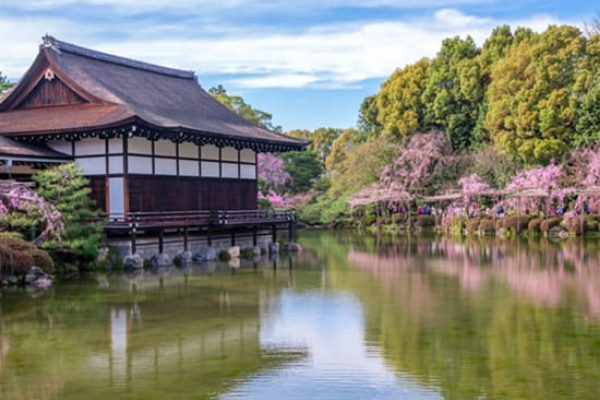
181, 219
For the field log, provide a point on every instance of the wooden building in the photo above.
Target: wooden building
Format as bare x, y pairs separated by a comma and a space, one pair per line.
148, 137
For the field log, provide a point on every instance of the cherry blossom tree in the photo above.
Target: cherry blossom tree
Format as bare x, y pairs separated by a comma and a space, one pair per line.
21, 208
529, 188
422, 163
271, 170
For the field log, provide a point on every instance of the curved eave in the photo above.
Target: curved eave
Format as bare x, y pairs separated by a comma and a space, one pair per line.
138, 127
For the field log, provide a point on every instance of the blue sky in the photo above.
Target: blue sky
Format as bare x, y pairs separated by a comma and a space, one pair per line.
310, 63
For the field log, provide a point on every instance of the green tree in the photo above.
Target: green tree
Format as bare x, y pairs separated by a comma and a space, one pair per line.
4, 84
361, 167
239, 106
453, 92
588, 117
63, 187
304, 167
368, 124
399, 102
340, 148
532, 96
322, 139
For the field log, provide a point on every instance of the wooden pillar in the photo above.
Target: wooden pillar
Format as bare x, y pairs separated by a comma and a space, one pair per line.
232, 238
161, 238
133, 229
133, 241
290, 232
186, 245
254, 236
274, 233
208, 237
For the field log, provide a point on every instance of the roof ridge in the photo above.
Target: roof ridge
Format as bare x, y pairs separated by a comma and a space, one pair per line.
60, 46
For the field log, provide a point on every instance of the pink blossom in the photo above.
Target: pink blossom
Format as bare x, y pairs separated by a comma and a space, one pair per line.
270, 170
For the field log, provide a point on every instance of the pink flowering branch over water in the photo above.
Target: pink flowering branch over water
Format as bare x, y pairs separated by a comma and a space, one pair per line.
20, 202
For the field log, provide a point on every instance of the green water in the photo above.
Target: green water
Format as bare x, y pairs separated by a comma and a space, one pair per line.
348, 318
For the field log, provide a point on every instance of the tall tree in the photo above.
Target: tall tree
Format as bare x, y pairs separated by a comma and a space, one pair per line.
532, 96
399, 104
239, 106
368, 124
304, 167
453, 94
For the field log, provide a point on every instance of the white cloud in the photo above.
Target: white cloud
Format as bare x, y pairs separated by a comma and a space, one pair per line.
199, 6
331, 56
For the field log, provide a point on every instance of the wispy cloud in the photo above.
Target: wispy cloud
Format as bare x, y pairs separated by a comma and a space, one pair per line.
333, 55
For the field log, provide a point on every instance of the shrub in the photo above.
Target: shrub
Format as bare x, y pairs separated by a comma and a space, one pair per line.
591, 224
43, 260
473, 225
224, 255
574, 225
486, 225
549, 223
397, 218
247, 253
18, 255
425, 221
499, 223
514, 223
534, 225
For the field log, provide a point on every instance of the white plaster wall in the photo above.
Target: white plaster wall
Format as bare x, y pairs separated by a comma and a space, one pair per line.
140, 165
247, 171
164, 148
230, 170
115, 145
248, 156
229, 154
90, 146
210, 169
115, 164
165, 166
62, 146
92, 165
139, 145
116, 195
188, 168
188, 150
210, 152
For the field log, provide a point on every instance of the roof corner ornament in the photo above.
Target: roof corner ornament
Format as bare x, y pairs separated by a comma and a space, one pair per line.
47, 41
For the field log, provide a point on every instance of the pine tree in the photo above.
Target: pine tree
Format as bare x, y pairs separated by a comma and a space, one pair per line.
69, 192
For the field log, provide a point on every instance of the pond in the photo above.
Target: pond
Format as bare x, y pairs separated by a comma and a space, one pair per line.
350, 317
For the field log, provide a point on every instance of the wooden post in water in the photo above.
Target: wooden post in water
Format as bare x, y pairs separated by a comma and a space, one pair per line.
161, 238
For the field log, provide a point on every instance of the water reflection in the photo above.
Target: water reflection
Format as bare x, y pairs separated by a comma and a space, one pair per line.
352, 317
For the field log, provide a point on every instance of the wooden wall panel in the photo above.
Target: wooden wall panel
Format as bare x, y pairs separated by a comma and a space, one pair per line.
157, 193
98, 186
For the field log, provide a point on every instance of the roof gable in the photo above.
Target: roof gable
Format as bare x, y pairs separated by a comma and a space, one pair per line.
50, 91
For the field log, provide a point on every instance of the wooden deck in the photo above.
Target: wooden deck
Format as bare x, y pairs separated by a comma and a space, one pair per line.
207, 223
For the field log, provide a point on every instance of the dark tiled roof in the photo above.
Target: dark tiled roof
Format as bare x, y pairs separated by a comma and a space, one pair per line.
9, 148
165, 98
